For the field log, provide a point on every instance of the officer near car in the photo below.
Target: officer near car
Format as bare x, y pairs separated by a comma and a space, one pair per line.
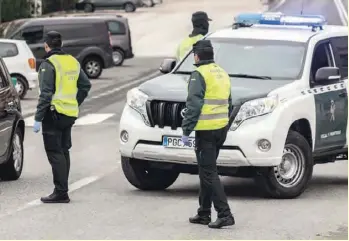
208, 108
200, 21
63, 88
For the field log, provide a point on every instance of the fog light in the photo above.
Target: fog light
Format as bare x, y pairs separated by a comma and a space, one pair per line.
264, 145
124, 136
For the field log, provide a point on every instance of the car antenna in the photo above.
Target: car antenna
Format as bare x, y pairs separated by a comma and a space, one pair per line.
302, 7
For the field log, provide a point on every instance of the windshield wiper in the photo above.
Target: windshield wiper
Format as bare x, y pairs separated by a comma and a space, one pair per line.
249, 76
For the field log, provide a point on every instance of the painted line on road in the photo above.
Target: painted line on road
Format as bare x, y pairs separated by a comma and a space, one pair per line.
343, 15
72, 187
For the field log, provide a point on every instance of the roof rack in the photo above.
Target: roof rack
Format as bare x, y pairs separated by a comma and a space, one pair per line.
278, 18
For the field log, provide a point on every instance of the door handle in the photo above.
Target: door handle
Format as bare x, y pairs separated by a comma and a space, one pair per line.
343, 94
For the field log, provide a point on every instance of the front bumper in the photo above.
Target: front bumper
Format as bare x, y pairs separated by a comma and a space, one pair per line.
239, 149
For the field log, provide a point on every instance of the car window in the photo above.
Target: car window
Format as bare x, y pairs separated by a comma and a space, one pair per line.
3, 76
73, 31
8, 50
279, 60
340, 46
116, 28
322, 57
31, 35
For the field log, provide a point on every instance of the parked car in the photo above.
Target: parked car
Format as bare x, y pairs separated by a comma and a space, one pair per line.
21, 64
86, 38
11, 127
92, 5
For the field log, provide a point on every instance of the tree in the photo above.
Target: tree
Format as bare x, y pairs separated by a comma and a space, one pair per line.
14, 9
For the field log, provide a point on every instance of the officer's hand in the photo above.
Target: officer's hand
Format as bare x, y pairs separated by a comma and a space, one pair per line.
37, 126
185, 140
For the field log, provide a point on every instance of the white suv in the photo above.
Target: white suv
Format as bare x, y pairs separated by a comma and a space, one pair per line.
289, 91
21, 64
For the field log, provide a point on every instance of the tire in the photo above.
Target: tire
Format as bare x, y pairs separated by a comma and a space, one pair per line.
118, 57
129, 7
22, 86
93, 67
275, 183
12, 169
88, 8
143, 177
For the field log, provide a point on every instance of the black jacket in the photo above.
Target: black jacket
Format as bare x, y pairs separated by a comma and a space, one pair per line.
195, 100
47, 81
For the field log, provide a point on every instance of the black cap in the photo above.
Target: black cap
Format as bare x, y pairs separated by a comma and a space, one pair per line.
202, 46
53, 38
200, 15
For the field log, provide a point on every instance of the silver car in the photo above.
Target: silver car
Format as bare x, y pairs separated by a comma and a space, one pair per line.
92, 5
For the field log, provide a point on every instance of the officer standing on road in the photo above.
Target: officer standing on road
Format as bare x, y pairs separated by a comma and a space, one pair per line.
63, 88
201, 24
207, 113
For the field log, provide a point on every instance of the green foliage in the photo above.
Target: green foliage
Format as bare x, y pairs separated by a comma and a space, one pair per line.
50, 6
14, 9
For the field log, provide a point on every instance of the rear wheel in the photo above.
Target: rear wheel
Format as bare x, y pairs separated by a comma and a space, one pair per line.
88, 8
129, 7
291, 177
12, 169
143, 177
118, 57
93, 67
22, 86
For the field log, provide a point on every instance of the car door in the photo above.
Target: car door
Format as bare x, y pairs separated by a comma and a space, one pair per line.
340, 49
7, 111
331, 102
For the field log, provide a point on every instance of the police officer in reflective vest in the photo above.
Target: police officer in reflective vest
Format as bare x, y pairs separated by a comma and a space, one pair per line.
208, 108
63, 88
200, 22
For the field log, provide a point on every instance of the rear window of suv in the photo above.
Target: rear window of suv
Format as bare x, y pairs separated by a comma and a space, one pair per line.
116, 28
8, 50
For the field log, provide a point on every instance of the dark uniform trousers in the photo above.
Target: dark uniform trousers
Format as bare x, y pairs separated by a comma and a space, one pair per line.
208, 144
56, 130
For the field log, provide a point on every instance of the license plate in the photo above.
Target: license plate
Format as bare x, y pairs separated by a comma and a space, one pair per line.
176, 142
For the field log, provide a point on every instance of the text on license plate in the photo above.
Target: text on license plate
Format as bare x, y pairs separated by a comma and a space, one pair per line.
176, 142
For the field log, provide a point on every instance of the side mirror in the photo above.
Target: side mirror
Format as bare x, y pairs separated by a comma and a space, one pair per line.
14, 81
167, 65
326, 75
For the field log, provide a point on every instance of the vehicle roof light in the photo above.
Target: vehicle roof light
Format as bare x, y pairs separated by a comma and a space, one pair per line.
278, 18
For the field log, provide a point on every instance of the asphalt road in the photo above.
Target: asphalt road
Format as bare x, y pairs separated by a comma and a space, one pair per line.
105, 206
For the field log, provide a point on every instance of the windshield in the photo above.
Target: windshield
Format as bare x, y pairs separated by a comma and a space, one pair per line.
281, 60
12, 27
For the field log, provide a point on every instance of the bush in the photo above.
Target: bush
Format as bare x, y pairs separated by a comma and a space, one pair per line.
49, 6
14, 9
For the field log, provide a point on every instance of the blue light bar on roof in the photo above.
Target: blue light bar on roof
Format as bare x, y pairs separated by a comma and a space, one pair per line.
278, 18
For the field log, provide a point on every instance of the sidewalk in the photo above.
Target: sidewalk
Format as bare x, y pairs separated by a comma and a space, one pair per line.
157, 31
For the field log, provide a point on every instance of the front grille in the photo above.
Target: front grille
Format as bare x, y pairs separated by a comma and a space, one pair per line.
165, 113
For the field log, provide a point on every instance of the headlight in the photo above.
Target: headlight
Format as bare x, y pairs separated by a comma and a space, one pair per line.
254, 108
136, 100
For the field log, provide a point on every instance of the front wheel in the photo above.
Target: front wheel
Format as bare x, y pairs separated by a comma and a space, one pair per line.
291, 177
93, 67
12, 169
88, 8
143, 177
130, 7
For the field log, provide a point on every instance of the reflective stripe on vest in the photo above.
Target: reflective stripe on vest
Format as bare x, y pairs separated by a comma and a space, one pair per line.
186, 45
215, 111
67, 71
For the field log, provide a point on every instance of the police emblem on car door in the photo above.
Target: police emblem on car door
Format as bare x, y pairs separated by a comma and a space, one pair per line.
331, 101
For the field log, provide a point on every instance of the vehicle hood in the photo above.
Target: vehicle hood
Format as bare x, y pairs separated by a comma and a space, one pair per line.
173, 87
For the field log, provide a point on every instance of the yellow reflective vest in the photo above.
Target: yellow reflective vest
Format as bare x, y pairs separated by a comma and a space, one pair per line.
67, 71
215, 111
186, 45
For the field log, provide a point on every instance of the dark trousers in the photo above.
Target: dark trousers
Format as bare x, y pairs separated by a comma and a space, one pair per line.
208, 144
56, 130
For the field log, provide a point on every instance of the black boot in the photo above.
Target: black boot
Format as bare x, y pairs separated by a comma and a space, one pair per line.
56, 198
200, 219
222, 222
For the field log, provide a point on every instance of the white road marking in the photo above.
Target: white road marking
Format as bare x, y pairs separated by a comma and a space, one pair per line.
89, 119
73, 187
92, 119
342, 11
281, 2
